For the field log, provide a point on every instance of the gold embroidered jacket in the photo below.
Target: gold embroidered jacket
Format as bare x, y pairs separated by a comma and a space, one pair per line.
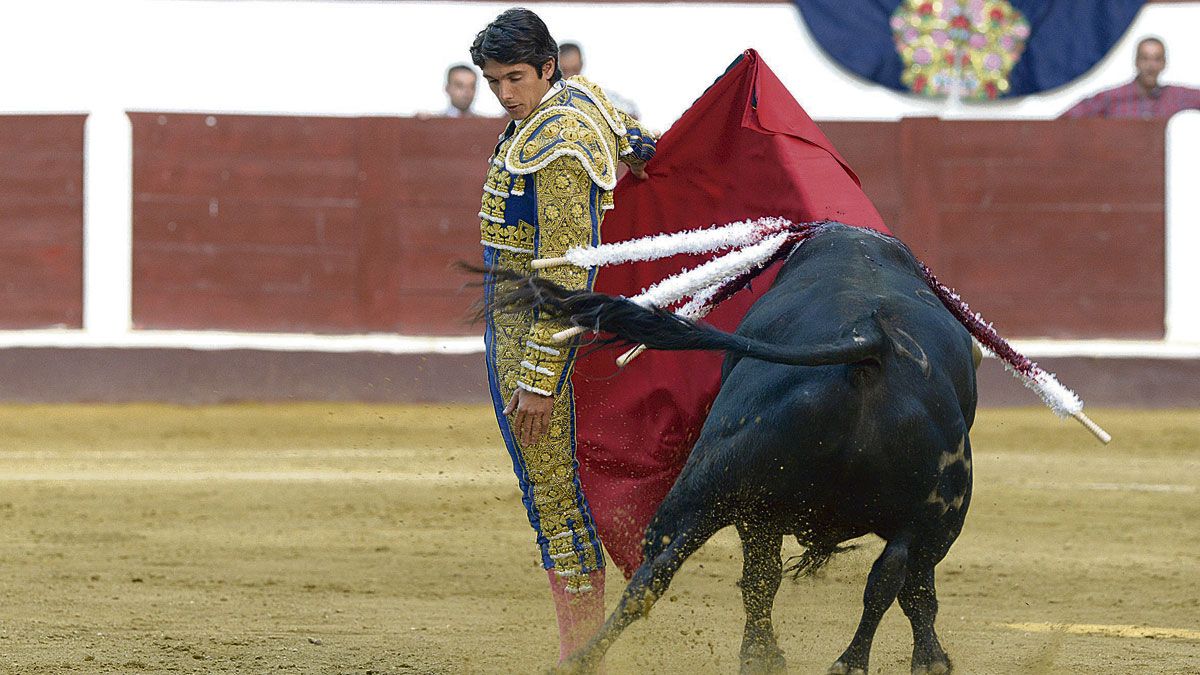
547, 188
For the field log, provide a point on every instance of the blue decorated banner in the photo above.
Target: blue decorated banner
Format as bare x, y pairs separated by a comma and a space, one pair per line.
976, 49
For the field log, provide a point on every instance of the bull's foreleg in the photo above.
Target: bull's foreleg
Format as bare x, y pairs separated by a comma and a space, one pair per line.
883, 584
664, 556
918, 599
762, 571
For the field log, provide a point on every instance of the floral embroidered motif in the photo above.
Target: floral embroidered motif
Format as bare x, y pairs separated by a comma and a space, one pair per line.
551, 466
492, 208
491, 211
519, 238
963, 46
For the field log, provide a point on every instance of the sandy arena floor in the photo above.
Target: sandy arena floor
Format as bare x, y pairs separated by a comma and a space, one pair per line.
356, 539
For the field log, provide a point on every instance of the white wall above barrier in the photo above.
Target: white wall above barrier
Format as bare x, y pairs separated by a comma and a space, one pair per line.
389, 58
1183, 228
108, 223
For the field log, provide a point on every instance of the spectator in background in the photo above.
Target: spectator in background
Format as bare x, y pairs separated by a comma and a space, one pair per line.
570, 62
460, 89
570, 59
1143, 98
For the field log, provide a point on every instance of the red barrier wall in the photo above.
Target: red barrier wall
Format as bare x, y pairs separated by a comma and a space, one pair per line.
1049, 229
350, 225
303, 223
41, 221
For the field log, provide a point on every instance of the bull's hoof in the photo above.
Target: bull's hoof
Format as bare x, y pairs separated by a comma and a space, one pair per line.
930, 659
840, 667
763, 661
937, 667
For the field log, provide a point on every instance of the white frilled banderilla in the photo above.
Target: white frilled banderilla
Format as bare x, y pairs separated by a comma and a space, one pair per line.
752, 246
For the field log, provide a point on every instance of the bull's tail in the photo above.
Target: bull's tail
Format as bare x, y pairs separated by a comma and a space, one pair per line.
660, 329
815, 557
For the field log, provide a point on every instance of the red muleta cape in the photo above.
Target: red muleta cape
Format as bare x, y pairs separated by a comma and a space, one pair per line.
745, 149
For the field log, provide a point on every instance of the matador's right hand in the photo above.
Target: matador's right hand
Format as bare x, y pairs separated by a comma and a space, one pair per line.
530, 415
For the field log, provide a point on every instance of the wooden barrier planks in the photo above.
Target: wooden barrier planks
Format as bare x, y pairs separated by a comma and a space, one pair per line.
41, 221
338, 225
245, 222
1048, 228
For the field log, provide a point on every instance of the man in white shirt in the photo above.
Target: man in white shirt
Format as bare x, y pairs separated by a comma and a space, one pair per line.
460, 89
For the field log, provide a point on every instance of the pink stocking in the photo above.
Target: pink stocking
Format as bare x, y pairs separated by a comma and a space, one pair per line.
580, 615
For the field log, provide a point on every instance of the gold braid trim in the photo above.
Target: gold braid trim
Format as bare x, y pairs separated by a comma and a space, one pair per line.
600, 100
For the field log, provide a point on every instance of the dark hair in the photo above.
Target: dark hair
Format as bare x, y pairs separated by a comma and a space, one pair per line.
571, 47
517, 36
460, 66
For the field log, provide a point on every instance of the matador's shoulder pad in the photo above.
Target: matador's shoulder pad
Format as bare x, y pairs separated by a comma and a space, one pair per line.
578, 122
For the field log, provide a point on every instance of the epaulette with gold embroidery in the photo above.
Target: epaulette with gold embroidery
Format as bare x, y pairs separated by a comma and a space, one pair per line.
580, 123
600, 100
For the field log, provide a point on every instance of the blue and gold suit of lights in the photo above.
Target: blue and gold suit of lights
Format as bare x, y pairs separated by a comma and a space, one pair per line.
548, 186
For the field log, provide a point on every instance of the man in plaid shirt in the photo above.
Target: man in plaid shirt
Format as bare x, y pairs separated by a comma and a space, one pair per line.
1143, 98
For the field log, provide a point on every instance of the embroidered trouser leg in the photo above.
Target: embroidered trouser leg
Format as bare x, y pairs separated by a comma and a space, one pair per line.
547, 471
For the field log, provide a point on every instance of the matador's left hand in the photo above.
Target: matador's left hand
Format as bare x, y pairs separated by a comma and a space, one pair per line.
530, 415
637, 168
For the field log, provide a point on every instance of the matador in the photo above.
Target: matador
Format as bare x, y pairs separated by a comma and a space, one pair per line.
548, 186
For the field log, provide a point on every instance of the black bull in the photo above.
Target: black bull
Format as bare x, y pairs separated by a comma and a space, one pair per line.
846, 399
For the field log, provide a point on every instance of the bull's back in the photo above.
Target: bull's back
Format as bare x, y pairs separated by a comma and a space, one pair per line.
846, 278
852, 441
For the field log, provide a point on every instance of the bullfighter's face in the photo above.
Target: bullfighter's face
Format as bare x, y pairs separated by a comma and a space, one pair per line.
518, 86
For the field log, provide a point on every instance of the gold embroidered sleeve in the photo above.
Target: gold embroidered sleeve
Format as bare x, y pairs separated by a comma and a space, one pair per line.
638, 144
568, 215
